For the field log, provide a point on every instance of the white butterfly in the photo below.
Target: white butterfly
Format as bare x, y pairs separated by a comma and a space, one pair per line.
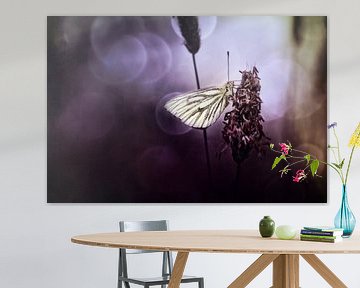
201, 108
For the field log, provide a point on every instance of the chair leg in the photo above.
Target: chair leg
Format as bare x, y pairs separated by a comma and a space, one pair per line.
201, 283
120, 272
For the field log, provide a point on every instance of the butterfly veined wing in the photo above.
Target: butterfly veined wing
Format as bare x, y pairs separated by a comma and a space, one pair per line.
201, 108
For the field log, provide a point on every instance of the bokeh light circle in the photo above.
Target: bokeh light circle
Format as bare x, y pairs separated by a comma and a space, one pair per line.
123, 61
207, 25
275, 78
106, 30
117, 56
159, 57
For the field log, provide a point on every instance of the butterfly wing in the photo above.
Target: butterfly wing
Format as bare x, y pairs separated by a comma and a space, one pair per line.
201, 108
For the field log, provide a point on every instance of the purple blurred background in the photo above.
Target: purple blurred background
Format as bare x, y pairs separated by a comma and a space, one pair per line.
111, 141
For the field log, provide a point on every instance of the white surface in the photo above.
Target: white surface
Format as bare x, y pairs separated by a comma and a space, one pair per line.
35, 248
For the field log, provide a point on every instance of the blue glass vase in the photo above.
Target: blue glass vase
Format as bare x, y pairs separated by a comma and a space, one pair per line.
345, 219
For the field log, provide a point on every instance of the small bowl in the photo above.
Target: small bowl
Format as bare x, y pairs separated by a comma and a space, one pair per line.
285, 232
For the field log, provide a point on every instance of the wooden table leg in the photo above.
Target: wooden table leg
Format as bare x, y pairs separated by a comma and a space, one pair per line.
286, 271
324, 271
178, 269
293, 262
253, 270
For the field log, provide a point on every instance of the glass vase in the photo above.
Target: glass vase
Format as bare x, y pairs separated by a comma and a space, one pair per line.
345, 219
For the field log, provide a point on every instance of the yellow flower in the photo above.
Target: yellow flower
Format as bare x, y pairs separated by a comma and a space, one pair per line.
355, 138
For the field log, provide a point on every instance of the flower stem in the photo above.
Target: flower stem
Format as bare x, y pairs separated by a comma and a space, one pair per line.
207, 154
333, 152
337, 144
348, 166
351, 156
294, 163
206, 146
196, 72
237, 176
339, 155
312, 157
296, 150
339, 171
335, 168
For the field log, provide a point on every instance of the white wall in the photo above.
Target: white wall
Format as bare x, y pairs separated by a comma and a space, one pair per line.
35, 248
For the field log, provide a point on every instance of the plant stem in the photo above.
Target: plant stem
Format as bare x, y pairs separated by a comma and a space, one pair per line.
348, 166
237, 177
207, 154
336, 169
333, 152
206, 146
234, 191
294, 163
337, 143
350, 159
196, 72
312, 158
296, 150
339, 171
338, 149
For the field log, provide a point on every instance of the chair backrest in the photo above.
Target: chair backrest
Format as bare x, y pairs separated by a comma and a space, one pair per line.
134, 226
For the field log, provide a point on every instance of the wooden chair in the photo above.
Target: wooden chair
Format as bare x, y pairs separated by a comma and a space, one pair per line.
167, 262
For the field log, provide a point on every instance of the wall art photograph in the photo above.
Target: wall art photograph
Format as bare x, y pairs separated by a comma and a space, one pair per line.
186, 109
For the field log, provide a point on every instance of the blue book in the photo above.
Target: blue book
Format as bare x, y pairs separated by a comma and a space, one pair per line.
322, 231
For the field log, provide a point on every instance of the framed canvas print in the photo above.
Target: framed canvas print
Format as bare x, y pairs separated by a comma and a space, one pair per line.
183, 109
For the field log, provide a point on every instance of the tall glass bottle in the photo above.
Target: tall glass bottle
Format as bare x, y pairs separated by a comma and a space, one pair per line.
345, 219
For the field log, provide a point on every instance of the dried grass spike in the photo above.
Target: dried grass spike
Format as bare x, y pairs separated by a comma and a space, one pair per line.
189, 27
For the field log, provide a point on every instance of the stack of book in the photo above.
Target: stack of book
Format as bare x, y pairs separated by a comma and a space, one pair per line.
321, 234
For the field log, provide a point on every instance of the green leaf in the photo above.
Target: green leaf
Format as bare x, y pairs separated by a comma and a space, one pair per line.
339, 166
336, 165
307, 157
277, 161
271, 146
342, 163
314, 166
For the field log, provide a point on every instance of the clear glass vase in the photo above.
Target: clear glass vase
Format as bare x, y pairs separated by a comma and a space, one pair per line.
345, 219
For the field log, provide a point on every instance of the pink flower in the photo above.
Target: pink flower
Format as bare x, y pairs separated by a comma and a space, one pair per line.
284, 148
299, 176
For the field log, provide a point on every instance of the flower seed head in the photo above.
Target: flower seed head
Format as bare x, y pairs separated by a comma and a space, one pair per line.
189, 27
355, 137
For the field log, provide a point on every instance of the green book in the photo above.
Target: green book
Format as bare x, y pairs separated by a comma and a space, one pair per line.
319, 236
325, 240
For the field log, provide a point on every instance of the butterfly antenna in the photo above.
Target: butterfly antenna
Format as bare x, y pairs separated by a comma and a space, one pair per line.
228, 65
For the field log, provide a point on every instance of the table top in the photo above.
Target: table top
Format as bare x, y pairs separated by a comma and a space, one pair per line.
217, 241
